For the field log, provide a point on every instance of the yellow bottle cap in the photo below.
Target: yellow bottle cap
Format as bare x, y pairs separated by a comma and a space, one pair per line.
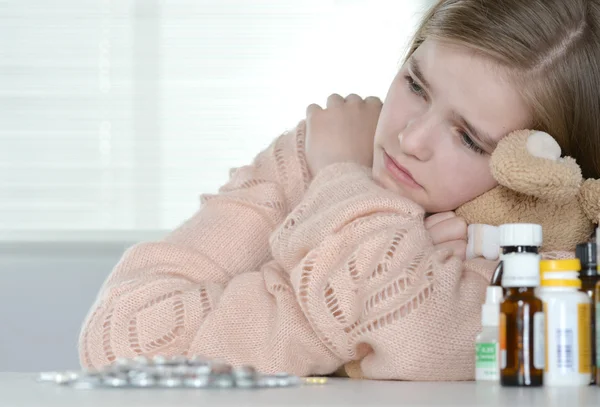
560, 265
562, 283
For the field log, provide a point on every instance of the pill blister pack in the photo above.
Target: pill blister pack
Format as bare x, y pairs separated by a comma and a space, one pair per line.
173, 372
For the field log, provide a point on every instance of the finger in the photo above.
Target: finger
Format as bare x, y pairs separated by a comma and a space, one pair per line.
448, 230
353, 98
313, 108
373, 100
436, 218
334, 100
458, 248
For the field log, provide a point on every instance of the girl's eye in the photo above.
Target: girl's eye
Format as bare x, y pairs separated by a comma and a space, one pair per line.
465, 138
469, 143
414, 86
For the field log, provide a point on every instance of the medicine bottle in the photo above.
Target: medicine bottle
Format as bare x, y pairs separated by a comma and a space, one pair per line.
487, 350
521, 311
567, 311
586, 253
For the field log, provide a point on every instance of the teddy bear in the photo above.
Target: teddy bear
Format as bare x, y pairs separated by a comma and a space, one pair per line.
536, 185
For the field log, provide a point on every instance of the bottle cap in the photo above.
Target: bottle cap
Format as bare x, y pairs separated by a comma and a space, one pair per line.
562, 265
586, 252
520, 270
490, 311
565, 283
520, 234
559, 270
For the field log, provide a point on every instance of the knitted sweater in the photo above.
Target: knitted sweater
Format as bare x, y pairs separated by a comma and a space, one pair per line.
291, 274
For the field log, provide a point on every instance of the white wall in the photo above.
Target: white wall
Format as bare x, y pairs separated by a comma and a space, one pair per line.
116, 114
45, 292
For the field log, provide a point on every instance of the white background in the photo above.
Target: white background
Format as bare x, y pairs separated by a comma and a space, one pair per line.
116, 115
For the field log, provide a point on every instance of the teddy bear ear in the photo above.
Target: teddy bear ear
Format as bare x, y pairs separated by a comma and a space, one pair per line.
529, 162
589, 197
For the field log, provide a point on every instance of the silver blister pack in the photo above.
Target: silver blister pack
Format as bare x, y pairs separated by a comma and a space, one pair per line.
169, 372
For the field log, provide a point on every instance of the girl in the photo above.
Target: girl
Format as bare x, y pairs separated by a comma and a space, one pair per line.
339, 249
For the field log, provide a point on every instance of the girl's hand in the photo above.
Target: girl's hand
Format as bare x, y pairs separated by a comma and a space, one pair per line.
448, 231
343, 131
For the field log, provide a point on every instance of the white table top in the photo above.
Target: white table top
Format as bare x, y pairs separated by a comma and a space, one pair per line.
21, 389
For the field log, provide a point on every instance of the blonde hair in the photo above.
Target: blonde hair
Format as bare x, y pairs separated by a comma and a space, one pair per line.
551, 50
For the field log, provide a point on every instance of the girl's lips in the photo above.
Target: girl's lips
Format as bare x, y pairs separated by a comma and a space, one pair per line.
398, 172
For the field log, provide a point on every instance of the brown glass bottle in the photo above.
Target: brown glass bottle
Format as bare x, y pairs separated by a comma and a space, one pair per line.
518, 313
522, 350
586, 252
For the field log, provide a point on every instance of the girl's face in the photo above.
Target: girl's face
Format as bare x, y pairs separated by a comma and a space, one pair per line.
443, 115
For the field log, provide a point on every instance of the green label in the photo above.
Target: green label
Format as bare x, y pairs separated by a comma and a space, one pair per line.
485, 354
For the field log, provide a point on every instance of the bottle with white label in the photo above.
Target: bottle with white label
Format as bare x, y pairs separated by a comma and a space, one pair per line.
568, 322
522, 352
487, 350
586, 253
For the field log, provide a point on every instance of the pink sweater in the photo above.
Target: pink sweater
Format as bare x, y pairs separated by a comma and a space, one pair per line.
291, 275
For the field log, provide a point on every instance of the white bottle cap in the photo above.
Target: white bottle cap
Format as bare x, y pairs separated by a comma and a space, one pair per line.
520, 234
490, 311
520, 270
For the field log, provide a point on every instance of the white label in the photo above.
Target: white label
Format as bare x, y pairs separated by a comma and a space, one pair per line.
539, 350
564, 349
567, 338
503, 359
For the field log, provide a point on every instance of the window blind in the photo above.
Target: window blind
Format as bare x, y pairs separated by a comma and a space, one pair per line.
117, 115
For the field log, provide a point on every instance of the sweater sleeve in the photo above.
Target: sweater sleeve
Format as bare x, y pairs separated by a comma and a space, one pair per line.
373, 288
154, 299
354, 281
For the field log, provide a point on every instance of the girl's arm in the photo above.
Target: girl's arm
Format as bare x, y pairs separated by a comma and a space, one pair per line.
228, 235
232, 228
371, 285
354, 278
